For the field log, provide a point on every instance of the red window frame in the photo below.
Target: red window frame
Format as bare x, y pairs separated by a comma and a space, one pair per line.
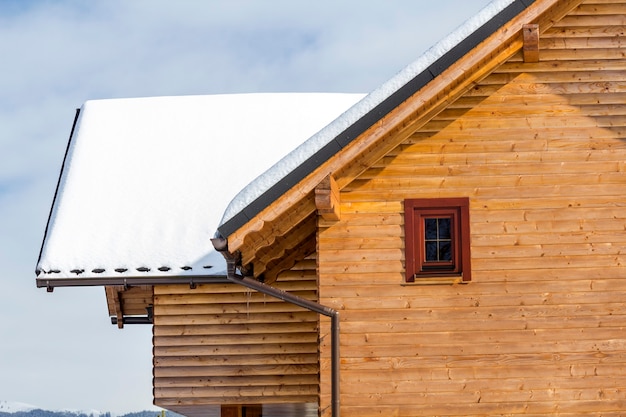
415, 212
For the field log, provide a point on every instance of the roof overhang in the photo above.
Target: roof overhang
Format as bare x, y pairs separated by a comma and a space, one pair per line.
145, 181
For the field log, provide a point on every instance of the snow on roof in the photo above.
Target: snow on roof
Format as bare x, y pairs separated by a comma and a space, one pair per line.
307, 149
146, 180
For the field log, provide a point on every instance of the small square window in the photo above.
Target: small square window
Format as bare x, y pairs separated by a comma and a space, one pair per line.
437, 238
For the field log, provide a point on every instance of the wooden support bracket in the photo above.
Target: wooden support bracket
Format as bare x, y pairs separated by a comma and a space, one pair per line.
531, 42
115, 304
327, 199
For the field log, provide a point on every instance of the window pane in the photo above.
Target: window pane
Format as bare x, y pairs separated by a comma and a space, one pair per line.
431, 251
430, 229
444, 228
437, 239
445, 251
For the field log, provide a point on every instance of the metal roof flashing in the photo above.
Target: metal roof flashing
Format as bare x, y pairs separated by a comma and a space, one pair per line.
56, 191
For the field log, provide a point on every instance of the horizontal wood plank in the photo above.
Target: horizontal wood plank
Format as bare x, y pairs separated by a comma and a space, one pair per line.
223, 343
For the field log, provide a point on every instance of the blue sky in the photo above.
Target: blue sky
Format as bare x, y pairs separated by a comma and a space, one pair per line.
59, 350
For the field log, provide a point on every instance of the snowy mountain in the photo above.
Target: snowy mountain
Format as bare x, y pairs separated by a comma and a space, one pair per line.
94, 413
14, 407
17, 409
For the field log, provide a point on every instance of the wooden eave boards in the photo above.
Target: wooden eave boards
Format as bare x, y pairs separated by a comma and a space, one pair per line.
282, 217
131, 301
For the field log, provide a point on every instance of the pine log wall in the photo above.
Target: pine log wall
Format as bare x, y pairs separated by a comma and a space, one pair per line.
540, 150
223, 344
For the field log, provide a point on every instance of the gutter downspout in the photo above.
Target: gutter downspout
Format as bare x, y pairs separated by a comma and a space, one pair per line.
221, 245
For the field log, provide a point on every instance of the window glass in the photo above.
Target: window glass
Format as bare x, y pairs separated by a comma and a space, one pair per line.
438, 239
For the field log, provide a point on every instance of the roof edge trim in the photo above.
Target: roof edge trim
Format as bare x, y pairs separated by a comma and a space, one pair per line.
370, 118
56, 191
51, 283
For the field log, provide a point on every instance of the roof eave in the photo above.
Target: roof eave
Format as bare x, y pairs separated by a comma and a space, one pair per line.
50, 283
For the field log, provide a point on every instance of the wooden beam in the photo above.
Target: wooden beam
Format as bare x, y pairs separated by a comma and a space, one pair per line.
531, 42
289, 259
277, 253
327, 199
115, 305
267, 232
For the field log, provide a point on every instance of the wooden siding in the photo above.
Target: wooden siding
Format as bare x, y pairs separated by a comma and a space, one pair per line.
224, 344
540, 150
132, 301
293, 207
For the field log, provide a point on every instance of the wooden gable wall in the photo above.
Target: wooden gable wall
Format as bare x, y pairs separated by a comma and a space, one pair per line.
221, 344
540, 150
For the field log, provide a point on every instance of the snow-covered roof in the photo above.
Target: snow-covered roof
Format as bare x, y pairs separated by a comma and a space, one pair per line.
145, 181
425, 67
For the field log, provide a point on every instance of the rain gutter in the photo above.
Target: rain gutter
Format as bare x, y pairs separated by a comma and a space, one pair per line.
221, 245
51, 283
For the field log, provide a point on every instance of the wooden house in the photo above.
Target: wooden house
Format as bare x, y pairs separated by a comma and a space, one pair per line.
465, 227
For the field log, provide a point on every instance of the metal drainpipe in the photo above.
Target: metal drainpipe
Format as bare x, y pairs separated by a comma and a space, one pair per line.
220, 245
